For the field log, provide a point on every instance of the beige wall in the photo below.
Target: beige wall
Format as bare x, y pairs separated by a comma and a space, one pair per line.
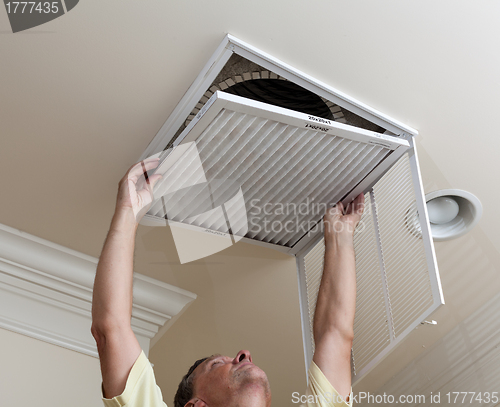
37, 373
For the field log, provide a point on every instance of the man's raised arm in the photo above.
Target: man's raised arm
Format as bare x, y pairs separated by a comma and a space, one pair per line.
334, 316
112, 300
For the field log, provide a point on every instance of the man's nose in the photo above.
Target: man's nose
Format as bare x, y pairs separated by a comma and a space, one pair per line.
242, 355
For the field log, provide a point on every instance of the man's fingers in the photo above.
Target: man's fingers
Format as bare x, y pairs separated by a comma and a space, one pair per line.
154, 179
338, 209
332, 217
138, 169
359, 204
145, 189
356, 206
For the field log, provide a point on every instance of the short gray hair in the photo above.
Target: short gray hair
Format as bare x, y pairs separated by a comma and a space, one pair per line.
185, 389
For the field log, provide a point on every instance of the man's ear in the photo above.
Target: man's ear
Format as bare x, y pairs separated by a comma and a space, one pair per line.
196, 402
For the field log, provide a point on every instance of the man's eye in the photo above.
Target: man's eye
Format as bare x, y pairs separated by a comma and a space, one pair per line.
216, 362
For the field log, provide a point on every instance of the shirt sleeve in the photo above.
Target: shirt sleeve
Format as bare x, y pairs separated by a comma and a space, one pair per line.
321, 393
141, 389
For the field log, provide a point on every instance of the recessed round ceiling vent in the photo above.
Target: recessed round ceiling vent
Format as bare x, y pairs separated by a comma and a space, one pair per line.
452, 213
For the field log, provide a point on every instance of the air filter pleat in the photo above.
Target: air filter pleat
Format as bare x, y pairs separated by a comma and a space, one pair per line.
224, 190
271, 184
260, 170
302, 183
237, 121
273, 190
170, 180
271, 180
173, 179
229, 166
363, 165
210, 132
321, 192
316, 188
268, 180
242, 150
312, 160
223, 178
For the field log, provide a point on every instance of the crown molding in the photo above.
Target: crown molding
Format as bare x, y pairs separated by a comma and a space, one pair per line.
46, 293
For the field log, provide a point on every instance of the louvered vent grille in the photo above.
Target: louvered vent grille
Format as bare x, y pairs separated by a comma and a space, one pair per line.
313, 266
371, 330
393, 285
281, 167
404, 254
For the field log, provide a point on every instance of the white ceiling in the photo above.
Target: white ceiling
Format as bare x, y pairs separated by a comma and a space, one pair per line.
83, 95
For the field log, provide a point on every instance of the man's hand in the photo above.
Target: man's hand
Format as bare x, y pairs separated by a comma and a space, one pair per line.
340, 222
135, 192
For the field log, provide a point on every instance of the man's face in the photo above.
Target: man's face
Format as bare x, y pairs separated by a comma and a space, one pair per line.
221, 380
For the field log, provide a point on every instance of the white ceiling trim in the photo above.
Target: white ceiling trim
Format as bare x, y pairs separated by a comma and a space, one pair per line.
46, 293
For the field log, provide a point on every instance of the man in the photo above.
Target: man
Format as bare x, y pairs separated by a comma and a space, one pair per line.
127, 376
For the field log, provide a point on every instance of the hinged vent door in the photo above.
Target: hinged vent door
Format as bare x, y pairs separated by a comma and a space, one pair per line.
398, 284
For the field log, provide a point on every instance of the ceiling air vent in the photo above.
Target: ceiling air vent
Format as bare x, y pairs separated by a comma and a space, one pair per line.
287, 145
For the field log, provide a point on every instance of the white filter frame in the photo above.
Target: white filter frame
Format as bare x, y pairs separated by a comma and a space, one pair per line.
221, 100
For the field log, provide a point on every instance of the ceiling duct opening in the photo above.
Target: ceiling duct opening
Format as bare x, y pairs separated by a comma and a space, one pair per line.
283, 94
242, 77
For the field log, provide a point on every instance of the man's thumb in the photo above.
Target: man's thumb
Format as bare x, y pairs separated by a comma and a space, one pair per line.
154, 179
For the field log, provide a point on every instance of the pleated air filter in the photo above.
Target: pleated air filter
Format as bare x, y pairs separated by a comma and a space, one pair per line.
246, 169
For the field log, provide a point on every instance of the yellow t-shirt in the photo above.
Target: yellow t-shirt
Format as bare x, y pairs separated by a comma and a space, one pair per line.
141, 389
320, 392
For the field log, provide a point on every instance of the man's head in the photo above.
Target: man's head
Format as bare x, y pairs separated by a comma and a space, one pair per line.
224, 381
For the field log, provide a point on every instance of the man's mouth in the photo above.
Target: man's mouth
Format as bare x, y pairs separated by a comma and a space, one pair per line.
243, 364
